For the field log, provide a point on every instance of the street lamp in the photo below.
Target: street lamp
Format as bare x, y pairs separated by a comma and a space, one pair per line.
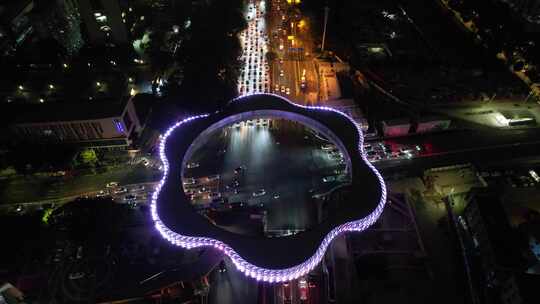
21, 87
41, 100
51, 86
98, 83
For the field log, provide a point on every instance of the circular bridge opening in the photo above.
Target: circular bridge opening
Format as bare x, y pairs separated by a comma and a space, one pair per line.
265, 174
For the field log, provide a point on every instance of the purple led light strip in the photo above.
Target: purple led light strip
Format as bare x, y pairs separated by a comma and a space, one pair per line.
250, 270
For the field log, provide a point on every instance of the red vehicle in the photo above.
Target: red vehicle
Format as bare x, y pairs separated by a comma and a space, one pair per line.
286, 293
303, 289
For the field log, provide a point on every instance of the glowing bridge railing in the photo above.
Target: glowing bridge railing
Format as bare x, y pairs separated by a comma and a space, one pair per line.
250, 270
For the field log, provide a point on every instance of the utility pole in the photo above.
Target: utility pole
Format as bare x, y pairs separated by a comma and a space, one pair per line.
326, 9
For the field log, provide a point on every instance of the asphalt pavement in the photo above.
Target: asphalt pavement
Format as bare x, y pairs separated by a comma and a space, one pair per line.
287, 162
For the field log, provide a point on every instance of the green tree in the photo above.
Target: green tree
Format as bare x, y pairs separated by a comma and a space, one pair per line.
88, 157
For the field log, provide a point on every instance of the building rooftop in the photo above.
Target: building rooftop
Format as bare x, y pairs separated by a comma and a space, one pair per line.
69, 111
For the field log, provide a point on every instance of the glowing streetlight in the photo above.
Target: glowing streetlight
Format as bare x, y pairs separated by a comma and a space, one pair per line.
21, 87
132, 92
51, 86
98, 83
65, 65
41, 100
130, 79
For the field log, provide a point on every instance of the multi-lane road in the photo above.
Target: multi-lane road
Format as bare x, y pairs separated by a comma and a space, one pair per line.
294, 73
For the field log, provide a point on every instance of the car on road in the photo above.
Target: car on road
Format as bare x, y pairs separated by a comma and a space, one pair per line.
214, 195
328, 147
214, 177
121, 190
258, 193
374, 158
329, 179
111, 185
130, 197
335, 156
79, 254
339, 171
192, 165
102, 193
287, 298
303, 289
235, 183
189, 181
76, 275
334, 152
202, 190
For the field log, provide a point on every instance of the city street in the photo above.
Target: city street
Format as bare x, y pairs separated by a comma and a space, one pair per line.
254, 73
275, 168
294, 73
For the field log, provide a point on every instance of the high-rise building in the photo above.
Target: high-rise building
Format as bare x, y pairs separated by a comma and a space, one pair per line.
103, 21
111, 124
